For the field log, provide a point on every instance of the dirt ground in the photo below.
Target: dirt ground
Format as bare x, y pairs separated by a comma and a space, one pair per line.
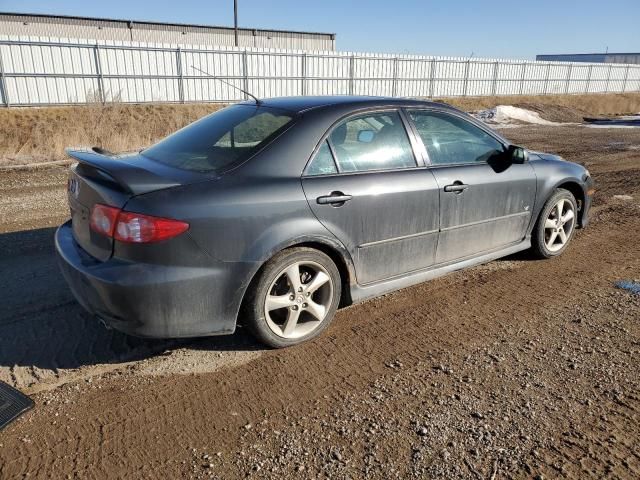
514, 369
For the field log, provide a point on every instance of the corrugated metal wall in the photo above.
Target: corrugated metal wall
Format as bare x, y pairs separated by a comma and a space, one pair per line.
38, 72
118, 30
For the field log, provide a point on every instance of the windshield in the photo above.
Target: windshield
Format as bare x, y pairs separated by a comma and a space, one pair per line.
221, 139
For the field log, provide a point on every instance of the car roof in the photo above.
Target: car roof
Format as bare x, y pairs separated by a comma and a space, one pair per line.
305, 103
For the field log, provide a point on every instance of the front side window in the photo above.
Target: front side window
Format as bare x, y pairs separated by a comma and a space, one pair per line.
220, 140
450, 140
375, 141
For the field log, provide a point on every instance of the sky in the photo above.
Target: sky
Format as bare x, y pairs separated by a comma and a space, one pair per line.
489, 28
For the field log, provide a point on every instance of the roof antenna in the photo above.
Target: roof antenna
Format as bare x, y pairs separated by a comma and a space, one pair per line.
258, 101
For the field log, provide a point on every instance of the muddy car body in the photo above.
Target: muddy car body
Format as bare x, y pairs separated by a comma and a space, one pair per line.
360, 195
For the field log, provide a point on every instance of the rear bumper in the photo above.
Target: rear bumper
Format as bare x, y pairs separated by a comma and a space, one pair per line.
149, 300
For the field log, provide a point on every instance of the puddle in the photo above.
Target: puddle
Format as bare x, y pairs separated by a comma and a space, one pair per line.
626, 121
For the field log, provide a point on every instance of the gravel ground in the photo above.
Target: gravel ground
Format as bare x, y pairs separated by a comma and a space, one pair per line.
514, 369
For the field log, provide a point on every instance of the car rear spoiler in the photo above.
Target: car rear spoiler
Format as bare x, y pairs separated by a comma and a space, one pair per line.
131, 177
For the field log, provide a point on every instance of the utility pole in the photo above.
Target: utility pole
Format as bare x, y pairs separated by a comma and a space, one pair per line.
235, 19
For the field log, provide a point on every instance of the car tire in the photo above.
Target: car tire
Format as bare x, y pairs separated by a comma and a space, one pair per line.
551, 237
281, 311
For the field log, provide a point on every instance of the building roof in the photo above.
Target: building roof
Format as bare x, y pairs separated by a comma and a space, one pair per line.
147, 22
577, 54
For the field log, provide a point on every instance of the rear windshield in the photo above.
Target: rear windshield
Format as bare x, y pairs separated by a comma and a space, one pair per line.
221, 139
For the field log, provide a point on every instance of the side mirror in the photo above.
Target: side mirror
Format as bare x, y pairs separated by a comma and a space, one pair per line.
516, 154
366, 136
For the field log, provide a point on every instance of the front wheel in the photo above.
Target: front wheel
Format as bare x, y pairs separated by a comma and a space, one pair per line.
556, 225
294, 298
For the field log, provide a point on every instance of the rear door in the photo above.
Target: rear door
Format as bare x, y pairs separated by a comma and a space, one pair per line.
367, 188
485, 203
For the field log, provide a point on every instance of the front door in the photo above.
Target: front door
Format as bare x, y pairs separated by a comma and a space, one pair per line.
485, 202
366, 188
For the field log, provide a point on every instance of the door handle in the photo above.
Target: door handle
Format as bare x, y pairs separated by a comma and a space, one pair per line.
335, 199
456, 187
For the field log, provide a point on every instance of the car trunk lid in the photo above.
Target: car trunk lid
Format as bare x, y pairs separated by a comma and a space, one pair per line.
109, 179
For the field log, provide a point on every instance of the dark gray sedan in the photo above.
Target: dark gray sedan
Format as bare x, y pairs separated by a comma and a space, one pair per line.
273, 214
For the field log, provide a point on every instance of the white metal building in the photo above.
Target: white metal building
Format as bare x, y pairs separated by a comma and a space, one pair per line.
36, 25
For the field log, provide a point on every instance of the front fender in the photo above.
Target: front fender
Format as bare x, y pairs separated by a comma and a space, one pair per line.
552, 174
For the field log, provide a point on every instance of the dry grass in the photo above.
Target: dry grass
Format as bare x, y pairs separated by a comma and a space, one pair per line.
41, 134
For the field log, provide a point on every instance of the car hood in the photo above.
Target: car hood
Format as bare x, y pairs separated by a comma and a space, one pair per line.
546, 156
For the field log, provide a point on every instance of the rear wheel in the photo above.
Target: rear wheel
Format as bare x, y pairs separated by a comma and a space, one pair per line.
556, 225
294, 298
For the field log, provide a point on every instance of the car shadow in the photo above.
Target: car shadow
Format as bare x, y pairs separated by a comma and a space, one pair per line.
42, 327
525, 255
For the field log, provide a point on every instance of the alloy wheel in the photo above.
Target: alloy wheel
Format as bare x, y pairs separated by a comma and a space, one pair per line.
298, 299
559, 225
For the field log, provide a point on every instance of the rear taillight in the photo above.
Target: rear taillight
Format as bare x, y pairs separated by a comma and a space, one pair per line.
134, 227
103, 219
138, 228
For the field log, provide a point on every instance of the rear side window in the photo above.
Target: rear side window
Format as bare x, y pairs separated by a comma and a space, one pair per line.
220, 140
451, 140
322, 163
375, 141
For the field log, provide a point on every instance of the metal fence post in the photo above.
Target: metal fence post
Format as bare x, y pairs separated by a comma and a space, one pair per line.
566, 87
432, 78
524, 72
394, 82
96, 56
466, 79
3, 84
180, 75
303, 71
546, 79
606, 87
586, 90
351, 73
245, 73
494, 86
624, 84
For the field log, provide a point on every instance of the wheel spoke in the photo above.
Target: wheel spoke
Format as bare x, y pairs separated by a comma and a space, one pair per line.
552, 239
293, 274
291, 323
563, 236
320, 279
316, 310
275, 302
550, 224
559, 208
568, 216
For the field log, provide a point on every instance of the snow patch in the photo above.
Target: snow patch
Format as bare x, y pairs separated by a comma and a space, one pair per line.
507, 115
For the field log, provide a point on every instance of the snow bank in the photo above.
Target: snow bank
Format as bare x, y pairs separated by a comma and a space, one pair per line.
508, 115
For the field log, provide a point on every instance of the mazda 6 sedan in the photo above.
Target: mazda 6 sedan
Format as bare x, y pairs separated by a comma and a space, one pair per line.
272, 214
